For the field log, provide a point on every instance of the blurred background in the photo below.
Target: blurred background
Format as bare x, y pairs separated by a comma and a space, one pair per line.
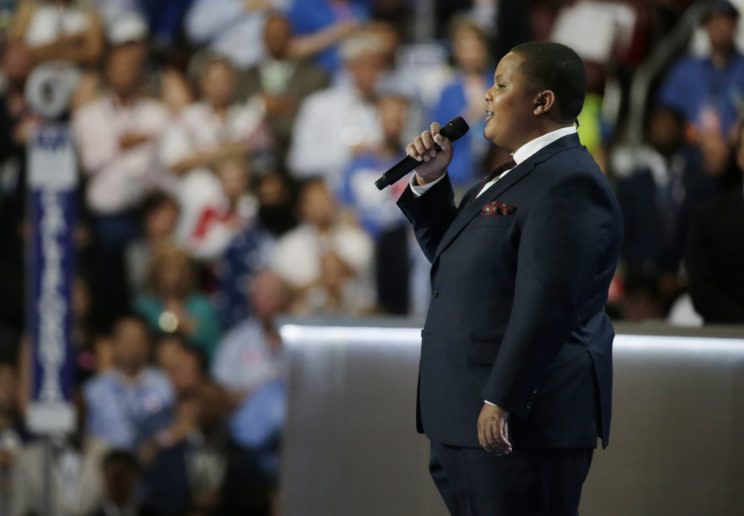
224, 154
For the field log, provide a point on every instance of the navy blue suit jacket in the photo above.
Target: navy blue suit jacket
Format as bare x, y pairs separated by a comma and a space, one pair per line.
517, 312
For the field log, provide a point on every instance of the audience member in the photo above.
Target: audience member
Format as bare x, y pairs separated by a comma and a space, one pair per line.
58, 30
707, 89
187, 468
281, 81
664, 182
334, 125
232, 28
215, 127
160, 213
251, 353
716, 253
172, 302
642, 300
334, 274
131, 403
121, 480
116, 137
464, 97
276, 200
217, 205
187, 369
321, 25
249, 251
358, 192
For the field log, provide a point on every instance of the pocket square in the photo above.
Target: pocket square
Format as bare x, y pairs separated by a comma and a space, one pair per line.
497, 208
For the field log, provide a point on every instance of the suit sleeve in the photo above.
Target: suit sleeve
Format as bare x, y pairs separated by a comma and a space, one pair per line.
707, 296
431, 214
571, 234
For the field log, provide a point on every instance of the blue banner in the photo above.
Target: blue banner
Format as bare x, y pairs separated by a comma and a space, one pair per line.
49, 268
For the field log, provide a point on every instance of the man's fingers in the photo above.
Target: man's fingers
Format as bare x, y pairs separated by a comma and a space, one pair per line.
435, 128
411, 151
421, 149
441, 141
481, 435
504, 435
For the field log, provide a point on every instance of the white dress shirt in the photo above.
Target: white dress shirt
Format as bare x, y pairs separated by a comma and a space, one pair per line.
120, 178
520, 155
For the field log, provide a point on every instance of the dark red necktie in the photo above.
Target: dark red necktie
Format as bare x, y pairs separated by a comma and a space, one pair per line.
502, 167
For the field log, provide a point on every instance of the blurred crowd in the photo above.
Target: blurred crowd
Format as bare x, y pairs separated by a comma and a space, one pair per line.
227, 152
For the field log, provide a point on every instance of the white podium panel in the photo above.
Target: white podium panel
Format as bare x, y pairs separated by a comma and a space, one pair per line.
351, 446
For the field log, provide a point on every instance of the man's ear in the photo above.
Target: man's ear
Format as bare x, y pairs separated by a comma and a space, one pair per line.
544, 102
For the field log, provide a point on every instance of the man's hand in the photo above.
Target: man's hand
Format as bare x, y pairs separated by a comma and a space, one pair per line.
493, 430
433, 163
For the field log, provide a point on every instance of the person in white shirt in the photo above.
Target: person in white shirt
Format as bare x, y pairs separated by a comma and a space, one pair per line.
117, 136
327, 262
335, 124
232, 28
216, 126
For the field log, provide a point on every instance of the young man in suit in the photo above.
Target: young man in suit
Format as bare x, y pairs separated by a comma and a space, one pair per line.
516, 361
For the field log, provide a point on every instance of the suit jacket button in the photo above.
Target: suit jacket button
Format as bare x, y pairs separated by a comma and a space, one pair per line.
435, 293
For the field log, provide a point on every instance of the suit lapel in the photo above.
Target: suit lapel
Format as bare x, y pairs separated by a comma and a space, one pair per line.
475, 205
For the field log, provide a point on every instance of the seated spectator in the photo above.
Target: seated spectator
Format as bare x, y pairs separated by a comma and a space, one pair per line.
58, 31
231, 28
217, 206
706, 89
116, 137
335, 124
215, 127
716, 252
160, 212
172, 304
121, 481
334, 273
131, 402
464, 97
251, 353
663, 182
321, 25
280, 81
358, 192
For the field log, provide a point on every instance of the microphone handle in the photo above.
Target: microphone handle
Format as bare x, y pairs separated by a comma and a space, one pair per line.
400, 169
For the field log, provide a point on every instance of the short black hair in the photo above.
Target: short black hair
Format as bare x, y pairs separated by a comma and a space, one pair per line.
556, 67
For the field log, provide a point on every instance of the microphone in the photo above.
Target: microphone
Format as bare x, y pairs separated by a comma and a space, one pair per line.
454, 130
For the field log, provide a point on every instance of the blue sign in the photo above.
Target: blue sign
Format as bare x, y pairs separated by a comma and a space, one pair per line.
49, 270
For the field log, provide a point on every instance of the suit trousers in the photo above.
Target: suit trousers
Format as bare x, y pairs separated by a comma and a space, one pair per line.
474, 482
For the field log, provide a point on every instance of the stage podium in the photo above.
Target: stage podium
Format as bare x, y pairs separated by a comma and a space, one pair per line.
351, 448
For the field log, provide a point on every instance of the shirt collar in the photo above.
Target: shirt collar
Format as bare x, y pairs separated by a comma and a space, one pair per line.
533, 146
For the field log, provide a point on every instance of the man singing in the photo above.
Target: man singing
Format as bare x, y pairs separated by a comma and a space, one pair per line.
515, 379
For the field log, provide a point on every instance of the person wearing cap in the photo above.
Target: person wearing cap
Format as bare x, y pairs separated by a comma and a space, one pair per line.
709, 89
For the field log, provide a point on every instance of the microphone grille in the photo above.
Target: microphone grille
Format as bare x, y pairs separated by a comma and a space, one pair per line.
455, 129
